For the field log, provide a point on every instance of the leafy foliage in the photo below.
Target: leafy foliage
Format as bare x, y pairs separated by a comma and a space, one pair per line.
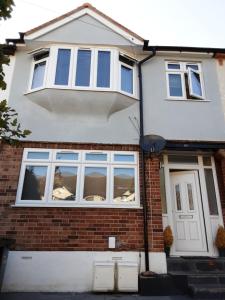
4, 60
10, 129
6, 7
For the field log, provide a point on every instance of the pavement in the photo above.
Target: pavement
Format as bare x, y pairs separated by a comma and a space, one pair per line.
84, 296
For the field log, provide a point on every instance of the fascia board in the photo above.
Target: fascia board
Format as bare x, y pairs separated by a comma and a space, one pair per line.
77, 15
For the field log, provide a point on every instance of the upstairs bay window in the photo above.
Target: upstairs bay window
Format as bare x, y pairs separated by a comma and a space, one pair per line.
85, 69
78, 178
184, 80
39, 68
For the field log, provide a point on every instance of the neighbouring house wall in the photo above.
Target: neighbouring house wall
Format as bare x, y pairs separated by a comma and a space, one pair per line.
177, 119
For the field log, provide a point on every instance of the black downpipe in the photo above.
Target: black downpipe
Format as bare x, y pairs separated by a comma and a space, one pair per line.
145, 207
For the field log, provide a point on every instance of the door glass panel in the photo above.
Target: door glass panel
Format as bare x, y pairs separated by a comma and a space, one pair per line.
211, 192
34, 183
83, 68
175, 85
95, 184
103, 74
63, 67
163, 190
124, 190
178, 197
190, 196
207, 161
179, 159
65, 181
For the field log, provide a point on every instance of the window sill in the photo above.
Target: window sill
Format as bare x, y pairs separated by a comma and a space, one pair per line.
75, 206
188, 100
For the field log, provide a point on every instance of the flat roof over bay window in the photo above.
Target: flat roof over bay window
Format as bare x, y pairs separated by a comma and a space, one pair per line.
78, 178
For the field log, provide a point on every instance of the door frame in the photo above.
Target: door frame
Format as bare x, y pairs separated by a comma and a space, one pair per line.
208, 219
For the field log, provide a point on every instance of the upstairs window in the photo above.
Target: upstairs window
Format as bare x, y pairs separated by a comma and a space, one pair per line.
126, 74
184, 80
84, 69
63, 67
39, 68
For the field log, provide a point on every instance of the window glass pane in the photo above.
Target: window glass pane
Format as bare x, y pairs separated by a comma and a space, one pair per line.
178, 199
124, 185
66, 156
207, 161
190, 196
83, 68
175, 85
163, 190
196, 83
65, 181
96, 156
63, 66
37, 155
127, 79
173, 66
95, 184
103, 75
38, 75
194, 67
176, 159
211, 192
34, 183
124, 157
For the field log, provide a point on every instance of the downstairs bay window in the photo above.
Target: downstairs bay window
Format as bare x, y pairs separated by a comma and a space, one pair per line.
78, 178
184, 81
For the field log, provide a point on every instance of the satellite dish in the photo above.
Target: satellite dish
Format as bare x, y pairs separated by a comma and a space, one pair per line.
153, 143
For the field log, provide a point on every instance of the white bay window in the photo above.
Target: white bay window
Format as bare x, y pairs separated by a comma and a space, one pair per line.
84, 69
78, 178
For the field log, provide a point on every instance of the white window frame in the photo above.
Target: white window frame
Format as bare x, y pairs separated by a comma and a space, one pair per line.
124, 166
46, 59
190, 70
115, 70
183, 69
120, 78
80, 163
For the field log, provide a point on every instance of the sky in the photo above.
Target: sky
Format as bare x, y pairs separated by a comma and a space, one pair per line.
197, 23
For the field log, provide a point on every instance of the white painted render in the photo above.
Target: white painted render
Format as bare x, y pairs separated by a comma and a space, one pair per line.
66, 271
8, 70
221, 78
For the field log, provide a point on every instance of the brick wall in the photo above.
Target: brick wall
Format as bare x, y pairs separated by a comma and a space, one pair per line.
75, 228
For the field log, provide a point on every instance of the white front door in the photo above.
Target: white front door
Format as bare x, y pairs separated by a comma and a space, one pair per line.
189, 230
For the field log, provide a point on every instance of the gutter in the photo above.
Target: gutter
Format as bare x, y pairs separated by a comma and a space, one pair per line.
145, 207
182, 48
